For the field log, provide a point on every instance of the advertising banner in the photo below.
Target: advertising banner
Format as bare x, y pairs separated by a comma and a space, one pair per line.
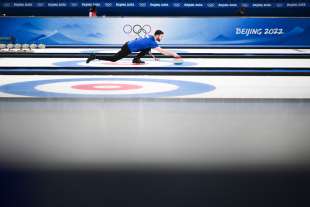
179, 31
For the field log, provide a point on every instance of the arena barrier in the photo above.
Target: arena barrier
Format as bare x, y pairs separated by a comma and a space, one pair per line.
179, 31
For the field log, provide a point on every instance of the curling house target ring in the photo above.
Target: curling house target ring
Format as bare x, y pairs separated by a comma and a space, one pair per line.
37, 88
106, 86
162, 64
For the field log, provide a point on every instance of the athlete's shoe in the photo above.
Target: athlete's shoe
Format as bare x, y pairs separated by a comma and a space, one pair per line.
137, 61
91, 58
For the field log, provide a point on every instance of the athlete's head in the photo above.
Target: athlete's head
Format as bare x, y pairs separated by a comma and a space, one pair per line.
159, 35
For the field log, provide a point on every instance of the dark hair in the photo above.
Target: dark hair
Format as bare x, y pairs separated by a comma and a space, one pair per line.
158, 32
93, 8
241, 11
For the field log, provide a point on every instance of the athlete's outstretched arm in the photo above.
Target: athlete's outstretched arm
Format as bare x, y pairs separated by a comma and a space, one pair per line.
167, 52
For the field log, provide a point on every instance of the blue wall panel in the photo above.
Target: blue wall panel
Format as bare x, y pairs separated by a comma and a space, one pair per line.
182, 31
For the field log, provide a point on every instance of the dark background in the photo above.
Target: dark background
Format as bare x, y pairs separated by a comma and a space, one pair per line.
81, 9
154, 188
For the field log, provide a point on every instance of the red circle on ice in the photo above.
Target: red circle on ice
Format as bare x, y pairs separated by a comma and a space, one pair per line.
106, 87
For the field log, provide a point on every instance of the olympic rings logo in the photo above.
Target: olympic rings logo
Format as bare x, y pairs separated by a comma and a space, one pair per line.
176, 4
108, 4
139, 30
142, 4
